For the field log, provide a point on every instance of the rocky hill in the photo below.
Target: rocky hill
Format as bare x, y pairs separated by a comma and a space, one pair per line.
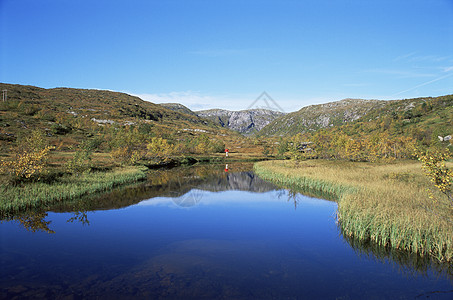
421, 118
314, 117
244, 121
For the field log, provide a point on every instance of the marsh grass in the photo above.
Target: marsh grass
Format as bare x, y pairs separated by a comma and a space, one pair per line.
386, 203
14, 199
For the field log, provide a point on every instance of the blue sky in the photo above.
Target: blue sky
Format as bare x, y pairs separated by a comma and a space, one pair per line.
224, 54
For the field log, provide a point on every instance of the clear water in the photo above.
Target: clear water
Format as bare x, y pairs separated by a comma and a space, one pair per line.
204, 234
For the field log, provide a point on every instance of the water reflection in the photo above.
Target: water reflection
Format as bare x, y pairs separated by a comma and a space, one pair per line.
182, 186
404, 261
79, 216
236, 252
32, 221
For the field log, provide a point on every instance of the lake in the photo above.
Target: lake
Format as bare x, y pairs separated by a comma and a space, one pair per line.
204, 233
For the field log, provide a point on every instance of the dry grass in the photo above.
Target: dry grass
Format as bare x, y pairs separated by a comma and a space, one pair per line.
386, 203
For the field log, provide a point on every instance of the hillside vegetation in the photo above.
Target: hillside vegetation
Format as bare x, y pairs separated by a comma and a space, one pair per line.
69, 116
75, 112
423, 119
179, 108
314, 117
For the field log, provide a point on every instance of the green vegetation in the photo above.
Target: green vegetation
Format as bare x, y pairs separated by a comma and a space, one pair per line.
422, 119
382, 202
40, 194
315, 117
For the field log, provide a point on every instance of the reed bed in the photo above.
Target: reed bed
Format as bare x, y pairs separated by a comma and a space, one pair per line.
384, 203
14, 199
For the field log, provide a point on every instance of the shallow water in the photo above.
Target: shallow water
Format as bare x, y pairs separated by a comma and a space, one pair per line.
204, 233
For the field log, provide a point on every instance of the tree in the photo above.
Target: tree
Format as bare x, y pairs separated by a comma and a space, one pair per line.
30, 159
435, 168
442, 178
159, 148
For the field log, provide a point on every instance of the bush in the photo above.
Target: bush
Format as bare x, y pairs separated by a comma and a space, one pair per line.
125, 155
30, 160
80, 162
26, 164
159, 148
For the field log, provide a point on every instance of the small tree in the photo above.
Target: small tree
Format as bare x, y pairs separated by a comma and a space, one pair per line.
442, 177
435, 168
30, 160
159, 148
126, 155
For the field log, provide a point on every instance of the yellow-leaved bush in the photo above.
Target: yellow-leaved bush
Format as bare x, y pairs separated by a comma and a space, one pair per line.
435, 167
160, 148
27, 163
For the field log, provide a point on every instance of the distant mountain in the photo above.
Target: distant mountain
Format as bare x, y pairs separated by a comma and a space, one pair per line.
244, 121
313, 117
178, 108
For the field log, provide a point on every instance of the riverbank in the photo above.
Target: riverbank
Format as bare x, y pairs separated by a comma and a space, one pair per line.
39, 194
58, 185
385, 203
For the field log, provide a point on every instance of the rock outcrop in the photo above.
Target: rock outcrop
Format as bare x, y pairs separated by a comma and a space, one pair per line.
244, 121
315, 117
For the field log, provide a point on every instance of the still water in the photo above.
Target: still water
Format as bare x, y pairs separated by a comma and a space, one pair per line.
203, 233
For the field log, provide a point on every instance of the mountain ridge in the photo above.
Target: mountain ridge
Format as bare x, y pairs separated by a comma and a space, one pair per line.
421, 118
247, 121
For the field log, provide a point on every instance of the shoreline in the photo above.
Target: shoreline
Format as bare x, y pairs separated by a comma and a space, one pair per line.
36, 195
377, 202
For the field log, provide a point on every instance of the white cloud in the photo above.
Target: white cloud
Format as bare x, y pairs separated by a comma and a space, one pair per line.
404, 56
429, 58
198, 197
198, 101
424, 83
400, 73
412, 57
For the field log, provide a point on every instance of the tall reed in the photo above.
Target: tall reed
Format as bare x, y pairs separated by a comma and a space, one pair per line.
38, 194
384, 203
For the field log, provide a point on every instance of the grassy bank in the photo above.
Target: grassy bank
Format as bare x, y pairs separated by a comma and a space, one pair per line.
38, 194
384, 203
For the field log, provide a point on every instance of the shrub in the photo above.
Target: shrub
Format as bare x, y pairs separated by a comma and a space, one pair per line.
30, 161
159, 148
26, 164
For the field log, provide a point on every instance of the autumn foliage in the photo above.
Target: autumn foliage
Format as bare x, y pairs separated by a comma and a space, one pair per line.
441, 176
30, 159
338, 145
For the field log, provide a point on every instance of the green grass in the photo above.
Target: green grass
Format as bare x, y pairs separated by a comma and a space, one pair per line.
383, 203
14, 199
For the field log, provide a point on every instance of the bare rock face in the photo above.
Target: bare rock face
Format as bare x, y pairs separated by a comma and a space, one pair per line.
244, 121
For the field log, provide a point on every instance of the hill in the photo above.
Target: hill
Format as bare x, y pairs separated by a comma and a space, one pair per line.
69, 115
314, 117
245, 121
424, 119
421, 118
179, 108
